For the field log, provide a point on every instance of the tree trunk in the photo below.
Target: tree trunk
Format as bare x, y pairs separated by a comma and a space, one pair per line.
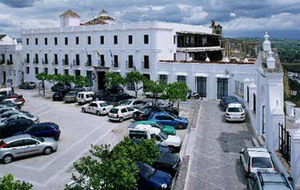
178, 105
44, 90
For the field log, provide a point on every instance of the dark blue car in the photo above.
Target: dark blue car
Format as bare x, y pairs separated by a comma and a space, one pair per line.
47, 129
150, 178
169, 119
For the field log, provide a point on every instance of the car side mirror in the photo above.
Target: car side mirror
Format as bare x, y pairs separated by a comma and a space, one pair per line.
241, 152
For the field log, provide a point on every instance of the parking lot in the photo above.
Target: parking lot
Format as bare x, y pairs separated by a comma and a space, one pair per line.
78, 132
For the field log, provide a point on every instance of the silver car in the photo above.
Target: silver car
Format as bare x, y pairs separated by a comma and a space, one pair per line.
20, 115
25, 145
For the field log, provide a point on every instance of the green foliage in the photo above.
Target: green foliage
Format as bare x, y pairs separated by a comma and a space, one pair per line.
7, 182
136, 78
113, 79
176, 91
41, 76
81, 81
155, 87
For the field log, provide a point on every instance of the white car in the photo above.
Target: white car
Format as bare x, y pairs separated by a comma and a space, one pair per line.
235, 112
256, 159
23, 115
97, 107
134, 103
120, 113
84, 97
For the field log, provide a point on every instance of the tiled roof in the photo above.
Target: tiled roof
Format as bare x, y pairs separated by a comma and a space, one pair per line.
99, 20
69, 13
2, 36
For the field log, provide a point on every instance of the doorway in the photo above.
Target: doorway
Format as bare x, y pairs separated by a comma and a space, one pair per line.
101, 80
222, 85
4, 77
201, 86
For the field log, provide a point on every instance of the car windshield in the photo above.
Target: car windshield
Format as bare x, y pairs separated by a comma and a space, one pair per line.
114, 110
146, 171
125, 102
231, 99
104, 104
175, 116
71, 94
27, 114
235, 109
38, 138
261, 162
163, 135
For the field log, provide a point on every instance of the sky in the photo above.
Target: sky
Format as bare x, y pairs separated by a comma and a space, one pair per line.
239, 18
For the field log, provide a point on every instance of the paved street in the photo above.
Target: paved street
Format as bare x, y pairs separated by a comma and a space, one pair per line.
214, 163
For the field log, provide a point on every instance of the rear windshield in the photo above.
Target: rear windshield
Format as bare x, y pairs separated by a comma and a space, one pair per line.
261, 162
38, 138
125, 102
234, 110
71, 94
104, 104
114, 110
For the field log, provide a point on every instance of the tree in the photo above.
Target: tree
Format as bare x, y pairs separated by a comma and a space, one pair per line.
81, 81
155, 87
177, 91
136, 78
7, 182
113, 79
42, 77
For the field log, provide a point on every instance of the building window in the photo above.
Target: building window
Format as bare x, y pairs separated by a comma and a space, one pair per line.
27, 70
254, 103
77, 73
181, 79
27, 41
45, 61
102, 60
174, 39
55, 41
146, 62
46, 41
174, 56
239, 89
116, 61
36, 70
89, 39
2, 61
248, 94
89, 76
36, 41
77, 61
130, 39
46, 71
89, 60
115, 39
55, 59
55, 71
66, 71
10, 60
66, 60
77, 40
27, 58
66, 41
36, 59
163, 78
130, 86
130, 61
101, 40
146, 39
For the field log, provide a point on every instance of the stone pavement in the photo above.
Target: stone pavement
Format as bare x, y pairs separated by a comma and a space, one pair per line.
214, 147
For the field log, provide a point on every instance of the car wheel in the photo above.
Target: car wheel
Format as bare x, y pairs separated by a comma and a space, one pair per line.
197, 97
172, 149
8, 159
121, 119
98, 113
48, 150
83, 110
179, 126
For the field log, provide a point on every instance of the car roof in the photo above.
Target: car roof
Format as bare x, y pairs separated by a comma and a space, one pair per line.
17, 137
235, 105
120, 107
147, 127
258, 152
273, 181
99, 102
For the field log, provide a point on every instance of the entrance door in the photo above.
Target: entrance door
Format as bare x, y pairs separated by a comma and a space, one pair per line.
222, 87
4, 77
263, 120
101, 82
201, 86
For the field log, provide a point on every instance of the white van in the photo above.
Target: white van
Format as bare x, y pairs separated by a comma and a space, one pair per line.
149, 132
6, 91
84, 97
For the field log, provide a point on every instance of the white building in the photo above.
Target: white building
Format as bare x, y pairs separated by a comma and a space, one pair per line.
11, 70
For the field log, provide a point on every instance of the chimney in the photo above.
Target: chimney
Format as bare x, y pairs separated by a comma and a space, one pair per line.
267, 43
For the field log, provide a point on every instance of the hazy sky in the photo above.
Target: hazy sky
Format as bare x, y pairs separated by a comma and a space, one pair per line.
281, 18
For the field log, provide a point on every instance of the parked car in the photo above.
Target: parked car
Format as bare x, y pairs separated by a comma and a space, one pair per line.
150, 178
28, 85
5, 109
134, 103
235, 112
84, 97
81, 88
70, 97
256, 159
162, 148
61, 87
114, 99
25, 145
120, 113
168, 163
9, 113
165, 128
266, 180
9, 104
97, 107
23, 115
142, 114
20, 98
58, 96
148, 132
46, 129
16, 101
11, 127
169, 119
224, 101
100, 95
116, 90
